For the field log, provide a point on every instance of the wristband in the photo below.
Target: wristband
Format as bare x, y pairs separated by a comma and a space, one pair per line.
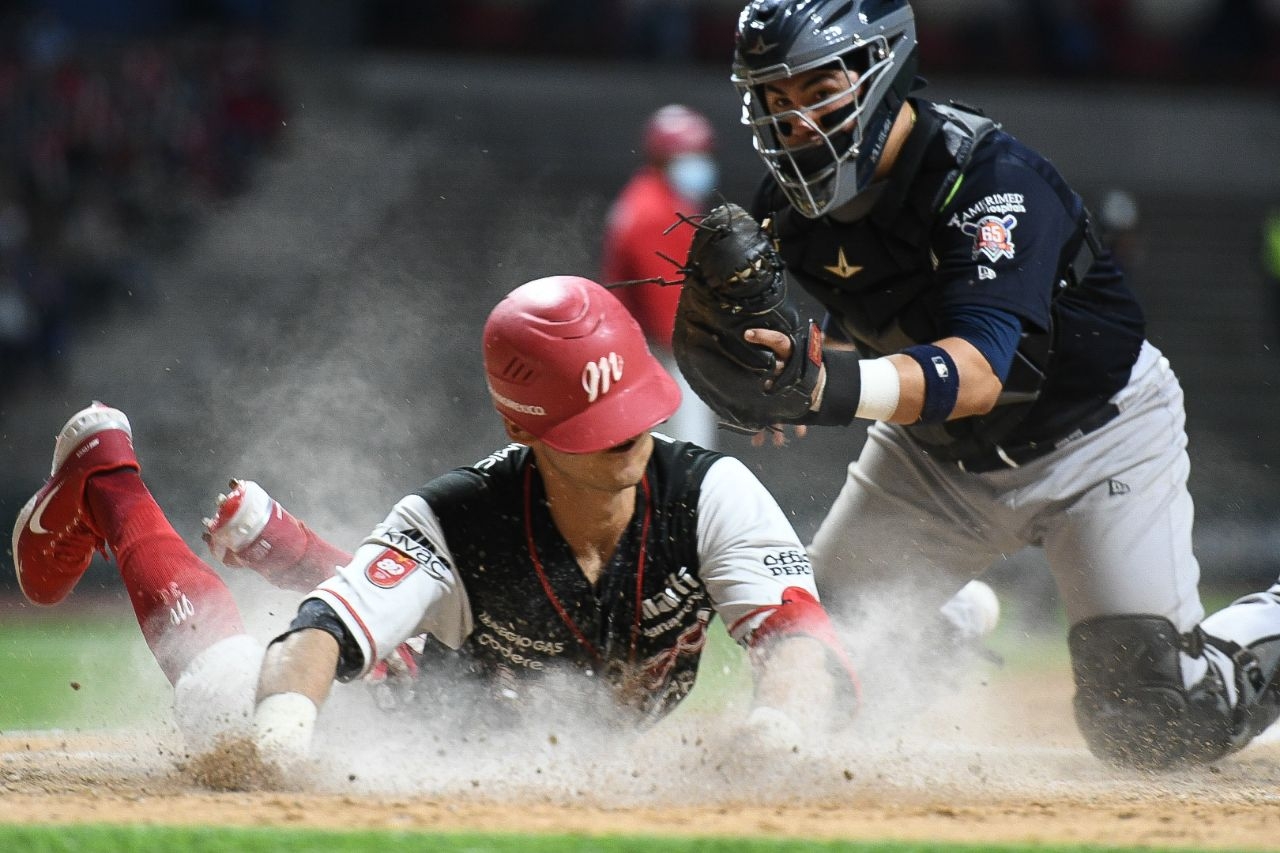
774, 729
941, 382
880, 389
841, 390
282, 727
856, 387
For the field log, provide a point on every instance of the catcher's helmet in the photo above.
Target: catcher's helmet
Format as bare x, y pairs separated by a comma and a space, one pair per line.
566, 361
675, 129
874, 41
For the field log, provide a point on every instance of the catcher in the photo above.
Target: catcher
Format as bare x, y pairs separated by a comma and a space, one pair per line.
589, 547
974, 316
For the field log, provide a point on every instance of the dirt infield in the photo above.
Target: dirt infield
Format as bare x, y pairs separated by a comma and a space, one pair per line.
997, 763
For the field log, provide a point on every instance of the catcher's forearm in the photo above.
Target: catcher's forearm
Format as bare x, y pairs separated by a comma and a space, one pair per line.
927, 383
977, 387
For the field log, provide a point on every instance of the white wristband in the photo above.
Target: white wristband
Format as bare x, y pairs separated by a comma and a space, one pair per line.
880, 387
282, 727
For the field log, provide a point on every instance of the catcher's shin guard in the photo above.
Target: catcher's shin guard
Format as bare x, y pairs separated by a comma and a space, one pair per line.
1131, 704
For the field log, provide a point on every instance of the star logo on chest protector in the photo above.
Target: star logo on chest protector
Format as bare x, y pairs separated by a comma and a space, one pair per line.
842, 267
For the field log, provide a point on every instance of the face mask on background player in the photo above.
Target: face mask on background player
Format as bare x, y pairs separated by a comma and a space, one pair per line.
693, 176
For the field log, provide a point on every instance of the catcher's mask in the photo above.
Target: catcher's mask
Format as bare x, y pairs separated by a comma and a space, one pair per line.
873, 42
565, 360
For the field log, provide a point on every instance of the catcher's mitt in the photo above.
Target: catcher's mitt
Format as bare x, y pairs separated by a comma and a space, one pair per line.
734, 281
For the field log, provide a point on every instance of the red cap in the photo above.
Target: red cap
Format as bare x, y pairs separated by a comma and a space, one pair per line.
675, 129
566, 361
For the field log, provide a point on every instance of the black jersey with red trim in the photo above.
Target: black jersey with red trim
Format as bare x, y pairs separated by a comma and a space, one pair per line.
973, 219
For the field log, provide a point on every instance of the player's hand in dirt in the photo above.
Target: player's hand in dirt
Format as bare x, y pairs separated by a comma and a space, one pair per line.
769, 732
393, 679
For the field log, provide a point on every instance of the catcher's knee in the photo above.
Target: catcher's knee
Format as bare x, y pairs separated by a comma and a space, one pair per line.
1131, 704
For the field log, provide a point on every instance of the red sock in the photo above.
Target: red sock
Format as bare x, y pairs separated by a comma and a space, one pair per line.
182, 606
319, 562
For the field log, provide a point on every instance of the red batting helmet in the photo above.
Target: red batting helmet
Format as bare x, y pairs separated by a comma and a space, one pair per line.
566, 361
675, 129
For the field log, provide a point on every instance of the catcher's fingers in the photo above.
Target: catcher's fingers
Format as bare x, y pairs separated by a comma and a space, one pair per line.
779, 343
778, 434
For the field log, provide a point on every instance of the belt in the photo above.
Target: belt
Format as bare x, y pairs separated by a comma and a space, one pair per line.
996, 457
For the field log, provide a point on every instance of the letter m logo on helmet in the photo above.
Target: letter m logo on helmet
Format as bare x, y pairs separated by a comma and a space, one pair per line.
567, 362
599, 376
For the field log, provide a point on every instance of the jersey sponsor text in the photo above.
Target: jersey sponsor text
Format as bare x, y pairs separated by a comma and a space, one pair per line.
788, 563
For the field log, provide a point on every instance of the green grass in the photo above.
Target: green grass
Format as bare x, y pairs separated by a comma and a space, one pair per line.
101, 839
76, 667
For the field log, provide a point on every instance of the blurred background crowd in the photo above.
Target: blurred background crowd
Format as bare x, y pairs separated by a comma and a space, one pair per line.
111, 144
120, 121
1169, 39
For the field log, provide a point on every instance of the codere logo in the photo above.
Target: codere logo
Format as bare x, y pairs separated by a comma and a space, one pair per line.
599, 376
523, 408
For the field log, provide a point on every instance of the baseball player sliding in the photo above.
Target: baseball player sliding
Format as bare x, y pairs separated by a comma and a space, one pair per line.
589, 546
973, 316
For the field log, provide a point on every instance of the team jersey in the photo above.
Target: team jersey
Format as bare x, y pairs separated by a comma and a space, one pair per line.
475, 560
971, 217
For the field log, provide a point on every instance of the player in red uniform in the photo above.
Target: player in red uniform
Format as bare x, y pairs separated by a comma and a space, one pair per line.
677, 178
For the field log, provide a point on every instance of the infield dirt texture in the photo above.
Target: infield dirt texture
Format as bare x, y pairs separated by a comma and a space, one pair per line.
1000, 763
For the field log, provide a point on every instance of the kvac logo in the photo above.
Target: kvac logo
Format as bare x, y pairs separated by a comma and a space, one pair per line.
389, 568
598, 376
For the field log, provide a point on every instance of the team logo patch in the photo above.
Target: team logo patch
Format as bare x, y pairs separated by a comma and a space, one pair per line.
815, 345
600, 375
389, 568
992, 236
842, 268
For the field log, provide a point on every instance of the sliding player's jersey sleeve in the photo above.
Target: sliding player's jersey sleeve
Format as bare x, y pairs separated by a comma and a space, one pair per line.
748, 551
400, 583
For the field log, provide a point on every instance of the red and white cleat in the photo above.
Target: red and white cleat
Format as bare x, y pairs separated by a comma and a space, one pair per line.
54, 538
251, 530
